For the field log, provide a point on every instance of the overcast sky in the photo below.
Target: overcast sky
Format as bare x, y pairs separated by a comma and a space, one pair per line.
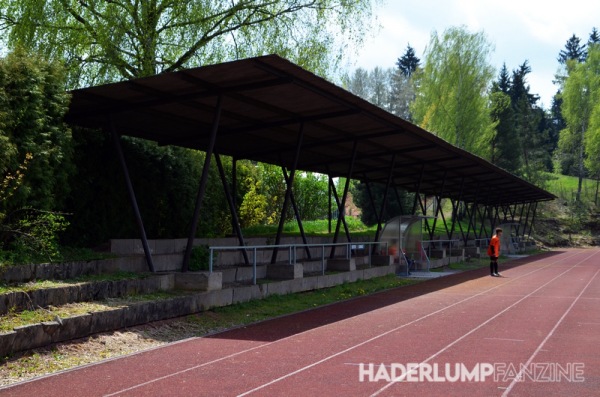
519, 30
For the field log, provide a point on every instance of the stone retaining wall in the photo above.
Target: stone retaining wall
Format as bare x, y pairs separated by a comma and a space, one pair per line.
43, 334
84, 292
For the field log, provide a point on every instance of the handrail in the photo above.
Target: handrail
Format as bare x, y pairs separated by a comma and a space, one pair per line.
292, 252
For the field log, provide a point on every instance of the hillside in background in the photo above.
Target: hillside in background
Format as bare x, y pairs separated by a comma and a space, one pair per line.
564, 222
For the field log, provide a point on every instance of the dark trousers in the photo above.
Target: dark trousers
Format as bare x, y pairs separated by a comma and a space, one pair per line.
493, 264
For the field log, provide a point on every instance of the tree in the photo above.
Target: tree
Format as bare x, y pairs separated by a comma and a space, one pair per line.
530, 126
35, 152
574, 50
594, 37
32, 107
359, 83
408, 63
506, 152
592, 136
581, 96
452, 97
122, 39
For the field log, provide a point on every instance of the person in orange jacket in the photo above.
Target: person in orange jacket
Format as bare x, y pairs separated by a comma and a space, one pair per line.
494, 252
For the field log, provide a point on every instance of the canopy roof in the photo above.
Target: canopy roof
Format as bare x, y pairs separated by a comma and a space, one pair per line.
267, 101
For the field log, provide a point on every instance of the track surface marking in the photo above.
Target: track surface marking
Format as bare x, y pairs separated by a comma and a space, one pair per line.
544, 310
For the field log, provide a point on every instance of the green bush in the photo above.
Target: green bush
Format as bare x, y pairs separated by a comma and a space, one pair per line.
199, 258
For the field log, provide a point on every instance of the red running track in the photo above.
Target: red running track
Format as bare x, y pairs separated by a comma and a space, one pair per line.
533, 332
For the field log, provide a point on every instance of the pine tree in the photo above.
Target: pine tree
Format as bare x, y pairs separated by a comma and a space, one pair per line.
573, 50
594, 37
506, 143
408, 63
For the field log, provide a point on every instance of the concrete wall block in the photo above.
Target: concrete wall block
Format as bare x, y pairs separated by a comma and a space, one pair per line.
296, 285
279, 288
105, 321
309, 283
245, 273
166, 282
19, 273
199, 281
135, 264
382, 260
134, 314
312, 266
379, 271
284, 271
343, 265
219, 298
30, 337
73, 328
228, 275
167, 262
109, 265
329, 280
7, 340
351, 277
246, 293
50, 327
17, 300
44, 271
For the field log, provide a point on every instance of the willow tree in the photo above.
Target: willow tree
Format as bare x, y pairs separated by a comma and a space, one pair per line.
123, 39
452, 90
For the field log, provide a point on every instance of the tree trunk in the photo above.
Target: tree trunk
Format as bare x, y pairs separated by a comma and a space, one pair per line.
578, 197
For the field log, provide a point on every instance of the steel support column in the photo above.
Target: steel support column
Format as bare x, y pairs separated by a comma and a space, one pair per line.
136, 210
418, 191
455, 205
288, 191
234, 185
385, 195
297, 215
202, 187
341, 214
338, 204
520, 230
439, 205
234, 216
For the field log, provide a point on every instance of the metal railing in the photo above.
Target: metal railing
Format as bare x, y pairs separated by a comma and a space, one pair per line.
293, 252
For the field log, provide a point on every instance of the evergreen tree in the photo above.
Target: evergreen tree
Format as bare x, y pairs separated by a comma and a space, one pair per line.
594, 37
529, 125
506, 143
573, 50
408, 63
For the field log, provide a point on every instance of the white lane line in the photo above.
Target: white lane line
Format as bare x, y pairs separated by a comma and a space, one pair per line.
389, 332
512, 384
400, 378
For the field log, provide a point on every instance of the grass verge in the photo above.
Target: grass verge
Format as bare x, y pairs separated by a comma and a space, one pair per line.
37, 362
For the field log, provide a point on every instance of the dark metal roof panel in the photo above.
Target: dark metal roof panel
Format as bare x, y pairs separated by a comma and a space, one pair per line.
266, 99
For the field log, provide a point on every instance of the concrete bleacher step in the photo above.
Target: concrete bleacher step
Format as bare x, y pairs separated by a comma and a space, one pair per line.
30, 297
174, 299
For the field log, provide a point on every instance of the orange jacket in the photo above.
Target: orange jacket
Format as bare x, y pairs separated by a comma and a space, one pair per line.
494, 248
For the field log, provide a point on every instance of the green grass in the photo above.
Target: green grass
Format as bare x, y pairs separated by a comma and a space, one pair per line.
278, 305
42, 284
26, 317
312, 228
565, 186
223, 317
